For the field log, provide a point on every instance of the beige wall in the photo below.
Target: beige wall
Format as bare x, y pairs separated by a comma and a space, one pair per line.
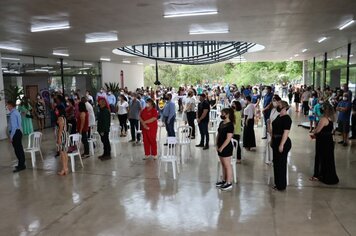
133, 74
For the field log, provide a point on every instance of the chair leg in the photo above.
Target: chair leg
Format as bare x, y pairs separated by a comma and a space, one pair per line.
178, 167
234, 171
41, 154
159, 168
72, 162
33, 159
174, 169
81, 161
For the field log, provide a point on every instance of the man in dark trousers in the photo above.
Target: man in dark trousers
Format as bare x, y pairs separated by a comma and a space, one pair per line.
16, 136
203, 121
104, 120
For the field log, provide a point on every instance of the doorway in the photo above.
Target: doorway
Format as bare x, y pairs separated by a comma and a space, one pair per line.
31, 92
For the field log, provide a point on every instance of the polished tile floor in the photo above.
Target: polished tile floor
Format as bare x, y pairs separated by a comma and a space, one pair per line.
124, 197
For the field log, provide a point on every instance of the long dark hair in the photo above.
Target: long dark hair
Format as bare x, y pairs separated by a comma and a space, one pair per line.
82, 107
149, 100
230, 113
237, 104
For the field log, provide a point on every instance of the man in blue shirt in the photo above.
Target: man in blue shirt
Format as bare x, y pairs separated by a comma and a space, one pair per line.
169, 116
267, 107
111, 101
344, 109
16, 136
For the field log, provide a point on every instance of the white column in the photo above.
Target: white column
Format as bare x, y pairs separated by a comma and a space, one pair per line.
3, 123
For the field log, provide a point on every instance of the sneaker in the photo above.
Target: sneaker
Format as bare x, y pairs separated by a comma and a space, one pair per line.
226, 187
220, 183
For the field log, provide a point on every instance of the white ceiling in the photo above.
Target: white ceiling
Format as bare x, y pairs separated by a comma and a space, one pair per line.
284, 27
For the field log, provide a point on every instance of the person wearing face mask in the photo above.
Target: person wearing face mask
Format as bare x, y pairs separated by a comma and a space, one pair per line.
101, 94
236, 106
70, 115
317, 110
40, 109
191, 114
112, 101
344, 109
324, 165
224, 147
134, 117
267, 107
281, 145
122, 109
149, 123
274, 114
249, 140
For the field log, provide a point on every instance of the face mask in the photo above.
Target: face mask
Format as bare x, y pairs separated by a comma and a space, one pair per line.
101, 91
344, 98
38, 97
279, 109
275, 104
109, 93
222, 117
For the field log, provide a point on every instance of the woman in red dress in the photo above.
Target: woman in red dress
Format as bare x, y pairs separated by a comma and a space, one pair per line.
149, 126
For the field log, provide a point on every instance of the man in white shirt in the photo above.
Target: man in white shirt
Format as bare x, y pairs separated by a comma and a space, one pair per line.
305, 99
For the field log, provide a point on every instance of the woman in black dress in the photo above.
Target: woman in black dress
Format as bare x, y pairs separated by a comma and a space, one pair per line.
297, 99
225, 148
281, 145
324, 166
249, 139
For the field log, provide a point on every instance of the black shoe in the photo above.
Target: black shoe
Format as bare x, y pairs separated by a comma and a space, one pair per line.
199, 145
166, 144
226, 187
264, 137
344, 144
105, 158
85, 156
132, 141
206, 148
57, 154
18, 169
341, 142
220, 183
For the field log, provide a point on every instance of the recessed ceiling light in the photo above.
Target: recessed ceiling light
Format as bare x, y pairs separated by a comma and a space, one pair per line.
351, 55
10, 48
87, 64
64, 63
49, 27
223, 31
126, 61
61, 54
322, 39
41, 70
193, 13
101, 37
290, 58
85, 68
337, 56
304, 50
10, 58
67, 68
346, 24
296, 55
105, 59
139, 63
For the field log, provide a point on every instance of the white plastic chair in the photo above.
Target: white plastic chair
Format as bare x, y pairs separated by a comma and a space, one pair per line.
114, 136
233, 162
160, 127
75, 140
184, 140
213, 129
93, 139
168, 155
113, 114
34, 145
213, 115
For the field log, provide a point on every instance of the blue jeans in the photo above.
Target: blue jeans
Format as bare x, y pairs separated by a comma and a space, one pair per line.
170, 128
204, 133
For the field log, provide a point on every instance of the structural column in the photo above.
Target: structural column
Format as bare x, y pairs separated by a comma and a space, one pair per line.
306, 77
3, 123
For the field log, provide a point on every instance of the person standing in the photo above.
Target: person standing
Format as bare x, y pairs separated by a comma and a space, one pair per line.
148, 119
344, 109
83, 127
16, 136
70, 115
305, 99
134, 117
62, 138
203, 121
290, 94
40, 112
281, 145
122, 107
111, 101
297, 99
353, 120
169, 115
249, 140
191, 114
91, 114
104, 119
267, 106
274, 114
236, 106
324, 165
225, 148
26, 116
89, 98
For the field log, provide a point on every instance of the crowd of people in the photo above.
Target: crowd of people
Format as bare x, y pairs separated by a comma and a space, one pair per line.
233, 112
